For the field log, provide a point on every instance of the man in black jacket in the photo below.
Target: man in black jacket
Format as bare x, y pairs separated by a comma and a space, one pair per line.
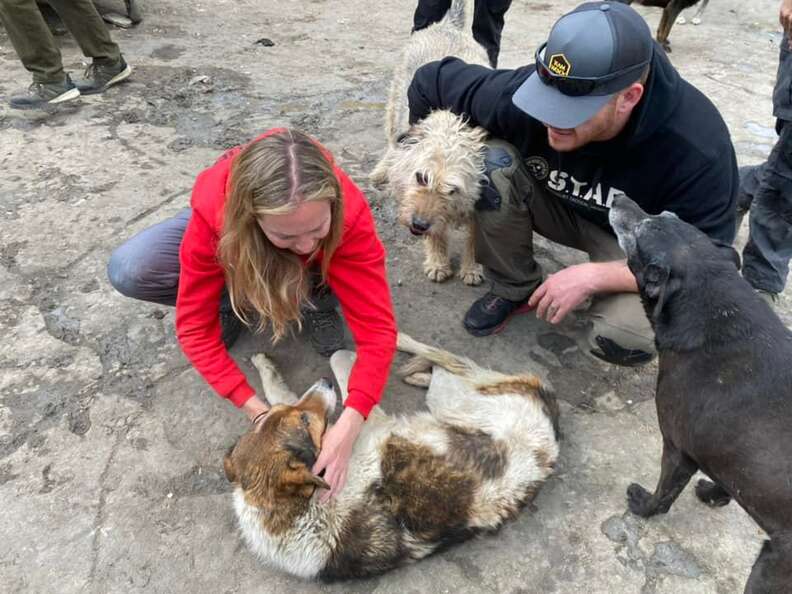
602, 112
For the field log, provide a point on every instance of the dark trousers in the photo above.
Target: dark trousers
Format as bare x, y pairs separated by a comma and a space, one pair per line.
487, 21
33, 41
147, 266
766, 190
513, 207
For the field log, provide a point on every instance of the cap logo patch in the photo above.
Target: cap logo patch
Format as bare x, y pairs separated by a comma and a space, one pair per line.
559, 65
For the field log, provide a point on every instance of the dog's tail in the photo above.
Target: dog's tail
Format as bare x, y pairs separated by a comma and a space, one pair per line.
456, 14
461, 366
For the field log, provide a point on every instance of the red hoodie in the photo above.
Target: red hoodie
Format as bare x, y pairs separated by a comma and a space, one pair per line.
356, 276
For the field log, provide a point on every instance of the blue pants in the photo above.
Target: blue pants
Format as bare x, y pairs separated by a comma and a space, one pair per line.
147, 266
767, 190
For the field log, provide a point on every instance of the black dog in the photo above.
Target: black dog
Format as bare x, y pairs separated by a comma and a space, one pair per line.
724, 388
671, 10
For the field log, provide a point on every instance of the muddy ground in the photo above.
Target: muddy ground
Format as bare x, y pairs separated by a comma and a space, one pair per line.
111, 445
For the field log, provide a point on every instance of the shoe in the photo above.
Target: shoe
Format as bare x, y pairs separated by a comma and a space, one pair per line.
770, 298
610, 352
230, 324
326, 331
100, 75
40, 94
489, 314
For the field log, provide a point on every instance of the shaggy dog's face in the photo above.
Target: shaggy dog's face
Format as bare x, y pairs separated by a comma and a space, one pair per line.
437, 172
272, 462
662, 250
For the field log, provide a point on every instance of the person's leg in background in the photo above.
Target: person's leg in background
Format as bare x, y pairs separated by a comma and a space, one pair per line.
488, 16
34, 44
428, 12
769, 248
84, 22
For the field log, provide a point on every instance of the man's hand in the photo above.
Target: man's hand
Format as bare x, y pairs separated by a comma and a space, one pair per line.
785, 17
562, 292
337, 446
566, 289
254, 406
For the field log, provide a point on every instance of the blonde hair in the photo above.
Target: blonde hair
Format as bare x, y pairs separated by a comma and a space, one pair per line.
272, 176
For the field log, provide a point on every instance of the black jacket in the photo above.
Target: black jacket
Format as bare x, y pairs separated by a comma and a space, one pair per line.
674, 154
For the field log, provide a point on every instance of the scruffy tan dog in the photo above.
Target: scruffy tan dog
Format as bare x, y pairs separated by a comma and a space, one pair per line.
434, 168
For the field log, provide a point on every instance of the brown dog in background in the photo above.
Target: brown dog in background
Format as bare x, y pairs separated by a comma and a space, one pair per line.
671, 11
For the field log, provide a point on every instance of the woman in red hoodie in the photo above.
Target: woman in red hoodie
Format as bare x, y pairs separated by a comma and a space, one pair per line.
261, 218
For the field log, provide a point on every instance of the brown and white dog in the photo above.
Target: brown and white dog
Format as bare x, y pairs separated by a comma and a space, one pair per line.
415, 484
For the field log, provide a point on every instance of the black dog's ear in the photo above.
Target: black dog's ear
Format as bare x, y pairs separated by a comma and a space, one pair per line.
728, 252
656, 285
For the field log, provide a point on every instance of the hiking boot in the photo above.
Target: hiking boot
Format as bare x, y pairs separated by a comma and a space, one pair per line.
489, 314
326, 331
41, 94
101, 74
230, 324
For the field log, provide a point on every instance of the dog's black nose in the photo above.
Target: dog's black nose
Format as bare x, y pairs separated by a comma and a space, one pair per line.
419, 226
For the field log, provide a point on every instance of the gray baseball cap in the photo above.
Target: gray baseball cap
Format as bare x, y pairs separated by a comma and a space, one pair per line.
592, 53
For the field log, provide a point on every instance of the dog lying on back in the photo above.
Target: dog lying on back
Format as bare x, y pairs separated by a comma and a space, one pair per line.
671, 11
415, 484
434, 167
724, 387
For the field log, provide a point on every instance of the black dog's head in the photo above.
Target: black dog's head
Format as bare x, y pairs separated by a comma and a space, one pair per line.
664, 253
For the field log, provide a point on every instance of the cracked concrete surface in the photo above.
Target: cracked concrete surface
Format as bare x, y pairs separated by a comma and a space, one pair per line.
110, 444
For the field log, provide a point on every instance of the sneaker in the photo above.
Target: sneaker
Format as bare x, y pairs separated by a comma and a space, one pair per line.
40, 94
489, 314
99, 76
326, 331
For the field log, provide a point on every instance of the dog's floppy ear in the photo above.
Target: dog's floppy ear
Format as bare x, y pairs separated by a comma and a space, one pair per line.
656, 285
228, 466
301, 481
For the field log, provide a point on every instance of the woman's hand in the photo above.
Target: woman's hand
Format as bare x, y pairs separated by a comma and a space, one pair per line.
254, 406
337, 446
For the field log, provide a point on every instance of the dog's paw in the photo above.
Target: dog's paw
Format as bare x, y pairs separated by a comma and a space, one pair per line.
437, 273
472, 276
712, 494
421, 379
681, 20
696, 21
264, 365
638, 500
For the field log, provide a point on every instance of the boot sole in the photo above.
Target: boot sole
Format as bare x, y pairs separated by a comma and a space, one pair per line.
123, 75
524, 308
62, 98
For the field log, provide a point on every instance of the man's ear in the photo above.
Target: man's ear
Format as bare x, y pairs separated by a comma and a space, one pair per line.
656, 285
630, 97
